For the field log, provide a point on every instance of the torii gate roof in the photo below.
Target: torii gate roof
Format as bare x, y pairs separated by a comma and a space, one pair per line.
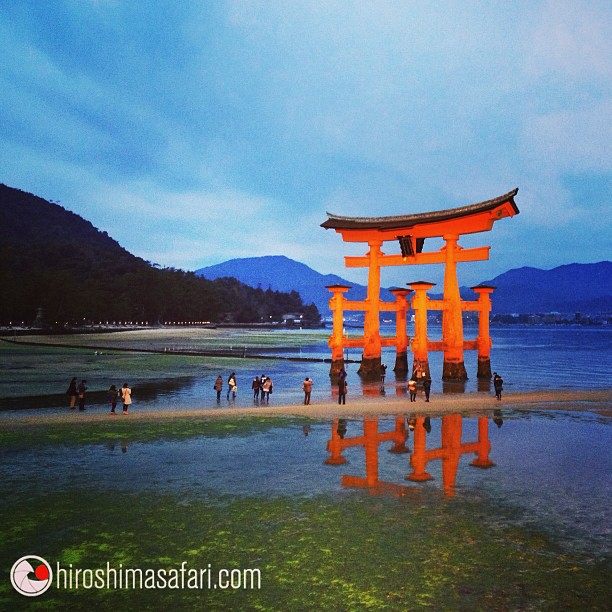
462, 220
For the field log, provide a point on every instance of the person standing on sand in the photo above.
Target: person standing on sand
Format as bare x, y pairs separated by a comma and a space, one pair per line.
412, 389
218, 387
256, 386
266, 389
498, 384
383, 373
72, 392
126, 397
231, 385
307, 387
112, 395
81, 391
342, 389
427, 387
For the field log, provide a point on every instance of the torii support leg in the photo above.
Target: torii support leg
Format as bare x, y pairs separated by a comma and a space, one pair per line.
484, 339
370, 360
401, 435
451, 446
453, 368
336, 341
401, 337
419, 342
335, 447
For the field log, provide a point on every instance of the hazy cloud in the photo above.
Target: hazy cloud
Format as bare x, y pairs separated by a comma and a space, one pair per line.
197, 132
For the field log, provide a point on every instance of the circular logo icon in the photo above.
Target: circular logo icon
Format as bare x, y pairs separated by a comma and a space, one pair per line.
31, 575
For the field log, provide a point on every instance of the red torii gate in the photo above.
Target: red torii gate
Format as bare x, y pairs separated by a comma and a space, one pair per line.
411, 231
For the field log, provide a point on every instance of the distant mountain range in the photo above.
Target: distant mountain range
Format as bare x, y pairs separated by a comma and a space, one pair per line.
53, 259
277, 271
570, 288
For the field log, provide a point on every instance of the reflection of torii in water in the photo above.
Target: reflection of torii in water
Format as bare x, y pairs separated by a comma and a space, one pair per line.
370, 440
450, 452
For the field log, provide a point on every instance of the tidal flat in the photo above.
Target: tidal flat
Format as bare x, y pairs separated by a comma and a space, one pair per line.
529, 533
243, 485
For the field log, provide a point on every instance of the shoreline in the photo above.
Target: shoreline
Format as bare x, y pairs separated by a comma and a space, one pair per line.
599, 401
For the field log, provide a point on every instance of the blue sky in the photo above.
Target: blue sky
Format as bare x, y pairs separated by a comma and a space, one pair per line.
196, 132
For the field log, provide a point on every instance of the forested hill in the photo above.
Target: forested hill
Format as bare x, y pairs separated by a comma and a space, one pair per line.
570, 288
284, 274
55, 259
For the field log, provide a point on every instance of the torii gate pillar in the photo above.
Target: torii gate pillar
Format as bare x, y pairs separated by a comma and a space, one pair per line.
336, 342
452, 319
484, 340
371, 359
420, 342
401, 336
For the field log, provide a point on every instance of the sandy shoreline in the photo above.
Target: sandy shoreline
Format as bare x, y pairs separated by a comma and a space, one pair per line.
594, 401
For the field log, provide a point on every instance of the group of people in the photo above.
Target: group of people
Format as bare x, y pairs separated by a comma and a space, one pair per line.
76, 393
412, 388
262, 386
113, 395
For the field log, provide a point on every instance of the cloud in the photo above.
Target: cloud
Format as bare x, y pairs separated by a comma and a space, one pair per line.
197, 132
571, 40
571, 140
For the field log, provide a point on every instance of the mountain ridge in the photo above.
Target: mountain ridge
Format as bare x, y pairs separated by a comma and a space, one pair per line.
567, 288
57, 268
278, 271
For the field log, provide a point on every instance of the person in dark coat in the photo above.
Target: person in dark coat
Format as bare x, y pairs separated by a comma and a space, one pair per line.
498, 384
342, 389
427, 387
256, 386
72, 392
218, 387
112, 396
81, 391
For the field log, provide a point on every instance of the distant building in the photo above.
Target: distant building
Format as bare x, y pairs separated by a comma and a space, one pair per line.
292, 318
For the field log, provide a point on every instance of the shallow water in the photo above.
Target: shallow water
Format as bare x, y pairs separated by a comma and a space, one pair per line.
553, 471
528, 357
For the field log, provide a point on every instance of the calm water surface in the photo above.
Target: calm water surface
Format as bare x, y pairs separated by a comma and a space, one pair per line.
553, 469
528, 357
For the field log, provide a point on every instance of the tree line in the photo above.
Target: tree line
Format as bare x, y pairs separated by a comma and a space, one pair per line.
146, 294
55, 262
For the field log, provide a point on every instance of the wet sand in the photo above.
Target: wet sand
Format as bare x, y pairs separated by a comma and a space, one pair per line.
599, 402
